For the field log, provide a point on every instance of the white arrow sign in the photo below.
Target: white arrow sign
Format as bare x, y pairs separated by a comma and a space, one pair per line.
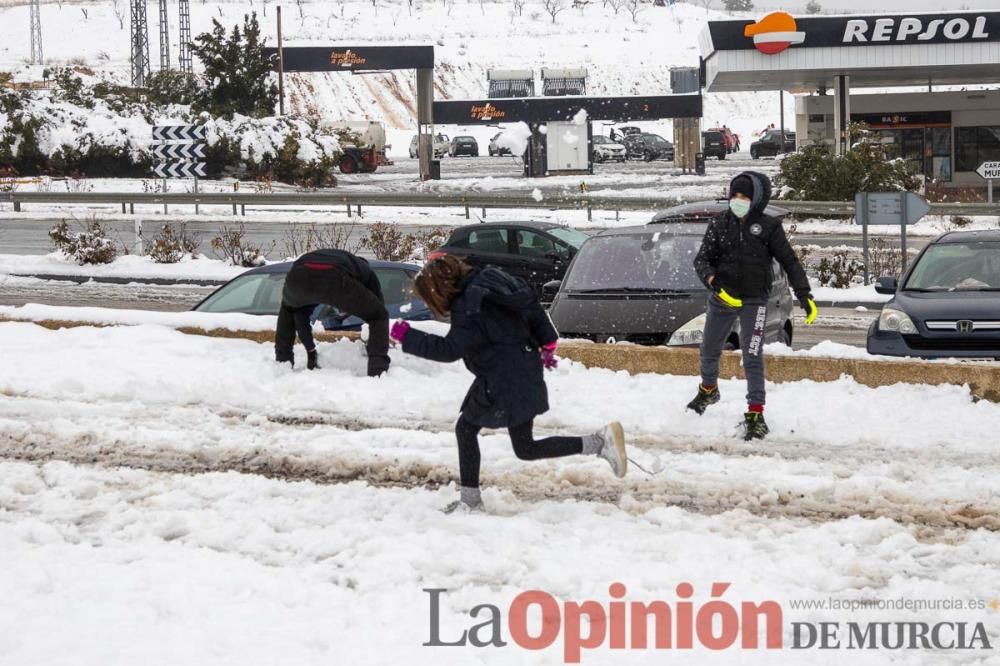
989, 170
179, 170
179, 151
179, 133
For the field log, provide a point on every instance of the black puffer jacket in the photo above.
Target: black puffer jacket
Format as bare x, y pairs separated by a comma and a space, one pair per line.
739, 252
497, 327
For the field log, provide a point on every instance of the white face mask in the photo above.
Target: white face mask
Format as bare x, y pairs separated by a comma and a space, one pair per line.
740, 207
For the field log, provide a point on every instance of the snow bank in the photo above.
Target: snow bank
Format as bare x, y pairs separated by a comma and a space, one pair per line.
128, 266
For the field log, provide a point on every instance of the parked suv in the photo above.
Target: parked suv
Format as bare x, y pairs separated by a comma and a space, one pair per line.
464, 145
605, 149
648, 147
441, 146
537, 252
729, 138
714, 144
496, 149
770, 145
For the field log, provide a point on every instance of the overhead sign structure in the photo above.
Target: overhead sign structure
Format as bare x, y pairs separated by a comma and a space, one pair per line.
902, 208
779, 30
554, 109
353, 58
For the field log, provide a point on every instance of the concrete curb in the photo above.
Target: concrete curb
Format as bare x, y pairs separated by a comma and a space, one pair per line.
982, 380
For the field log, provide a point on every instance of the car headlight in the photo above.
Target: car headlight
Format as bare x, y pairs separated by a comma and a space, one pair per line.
896, 321
690, 333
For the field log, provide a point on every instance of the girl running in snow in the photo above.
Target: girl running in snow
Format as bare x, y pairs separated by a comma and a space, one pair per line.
505, 338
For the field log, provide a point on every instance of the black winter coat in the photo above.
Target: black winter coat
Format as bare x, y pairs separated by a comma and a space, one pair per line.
497, 327
739, 252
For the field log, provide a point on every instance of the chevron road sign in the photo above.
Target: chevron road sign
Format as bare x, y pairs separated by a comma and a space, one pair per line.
179, 170
187, 133
179, 151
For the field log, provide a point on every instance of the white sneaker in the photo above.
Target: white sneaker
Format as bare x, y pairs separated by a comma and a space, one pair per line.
460, 507
613, 448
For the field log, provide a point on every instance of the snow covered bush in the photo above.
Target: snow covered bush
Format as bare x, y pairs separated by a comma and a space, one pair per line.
840, 272
171, 245
90, 246
301, 238
232, 246
388, 243
816, 174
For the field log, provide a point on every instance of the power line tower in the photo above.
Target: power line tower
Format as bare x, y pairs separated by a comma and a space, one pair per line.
140, 44
164, 37
36, 33
185, 48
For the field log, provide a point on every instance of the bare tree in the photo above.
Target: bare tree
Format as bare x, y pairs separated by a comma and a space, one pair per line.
85, 15
554, 7
707, 4
635, 7
120, 16
616, 5
519, 6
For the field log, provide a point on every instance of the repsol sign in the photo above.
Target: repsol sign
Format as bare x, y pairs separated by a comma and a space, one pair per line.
853, 31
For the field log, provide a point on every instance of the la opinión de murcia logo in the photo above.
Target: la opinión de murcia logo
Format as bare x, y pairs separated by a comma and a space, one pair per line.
486, 112
774, 33
346, 58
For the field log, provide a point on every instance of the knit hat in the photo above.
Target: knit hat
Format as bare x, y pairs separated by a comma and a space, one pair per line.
741, 185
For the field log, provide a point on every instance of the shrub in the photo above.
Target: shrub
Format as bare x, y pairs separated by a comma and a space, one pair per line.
170, 86
299, 239
840, 272
170, 245
237, 74
884, 259
816, 174
231, 245
388, 243
90, 246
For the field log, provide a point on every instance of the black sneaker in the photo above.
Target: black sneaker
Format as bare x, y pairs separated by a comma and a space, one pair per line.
704, 398
754, 426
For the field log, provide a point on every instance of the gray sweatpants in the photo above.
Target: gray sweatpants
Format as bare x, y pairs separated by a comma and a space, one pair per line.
719, 323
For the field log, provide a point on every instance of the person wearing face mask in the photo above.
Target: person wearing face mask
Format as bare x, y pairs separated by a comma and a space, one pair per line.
734, 262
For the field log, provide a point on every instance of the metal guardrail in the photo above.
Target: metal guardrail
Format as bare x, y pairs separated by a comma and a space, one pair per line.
428, 200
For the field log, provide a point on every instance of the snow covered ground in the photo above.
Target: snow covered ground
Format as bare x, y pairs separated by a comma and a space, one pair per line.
174, 499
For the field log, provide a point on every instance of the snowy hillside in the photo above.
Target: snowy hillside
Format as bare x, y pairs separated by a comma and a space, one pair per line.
623, 57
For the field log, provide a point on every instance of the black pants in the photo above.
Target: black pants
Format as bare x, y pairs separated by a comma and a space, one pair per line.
305, 288
525, 447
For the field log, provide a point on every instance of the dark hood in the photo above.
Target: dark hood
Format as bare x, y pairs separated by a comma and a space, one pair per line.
496, 286
761, 190
948, 305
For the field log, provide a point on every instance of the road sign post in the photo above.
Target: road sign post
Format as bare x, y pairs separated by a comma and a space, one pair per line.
902, 208
178, 154
989, 171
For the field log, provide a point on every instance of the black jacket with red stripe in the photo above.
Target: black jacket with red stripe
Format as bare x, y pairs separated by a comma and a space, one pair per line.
341, 260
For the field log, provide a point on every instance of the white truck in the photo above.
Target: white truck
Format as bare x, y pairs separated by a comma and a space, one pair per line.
368, 152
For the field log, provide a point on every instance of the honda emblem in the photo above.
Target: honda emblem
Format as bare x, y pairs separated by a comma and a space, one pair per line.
965, 326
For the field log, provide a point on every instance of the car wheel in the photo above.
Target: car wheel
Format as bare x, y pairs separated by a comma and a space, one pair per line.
722, 156
754, 155
348, 165
786, 334
648, 156
598, 157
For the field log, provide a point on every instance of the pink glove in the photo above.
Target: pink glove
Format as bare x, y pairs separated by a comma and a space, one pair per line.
549, 361
399, 330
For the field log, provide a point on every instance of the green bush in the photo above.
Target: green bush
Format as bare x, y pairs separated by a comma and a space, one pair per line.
816, 174
169, 86
238, 76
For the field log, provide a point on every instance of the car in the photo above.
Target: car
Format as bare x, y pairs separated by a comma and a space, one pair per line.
648, 147
638, 285
705, 211
770, 144
605, 149
464, 145
537, 252
495, 149
730, 139
714, 144
441, 146
258, 292
947, 304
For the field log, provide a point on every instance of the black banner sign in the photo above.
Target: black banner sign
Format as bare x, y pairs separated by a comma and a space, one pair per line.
902, 119
353, 58
777, 31
553, 109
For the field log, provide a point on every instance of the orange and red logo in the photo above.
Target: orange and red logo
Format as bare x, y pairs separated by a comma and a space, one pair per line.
774, 33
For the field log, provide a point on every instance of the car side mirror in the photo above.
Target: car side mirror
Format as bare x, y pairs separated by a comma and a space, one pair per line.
886, 286
550, 289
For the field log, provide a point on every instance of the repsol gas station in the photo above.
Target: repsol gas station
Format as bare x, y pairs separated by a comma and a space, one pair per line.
947, 134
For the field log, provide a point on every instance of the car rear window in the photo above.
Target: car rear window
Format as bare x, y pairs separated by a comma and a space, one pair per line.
651, 260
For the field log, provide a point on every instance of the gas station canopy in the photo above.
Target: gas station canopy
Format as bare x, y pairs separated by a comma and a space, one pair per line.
806, 54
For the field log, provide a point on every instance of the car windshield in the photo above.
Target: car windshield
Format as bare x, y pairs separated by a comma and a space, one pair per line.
255, 293
600, 139
973, 266
572, 237
636, 262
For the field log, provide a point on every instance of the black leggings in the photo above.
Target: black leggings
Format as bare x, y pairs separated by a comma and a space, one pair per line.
525, 447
